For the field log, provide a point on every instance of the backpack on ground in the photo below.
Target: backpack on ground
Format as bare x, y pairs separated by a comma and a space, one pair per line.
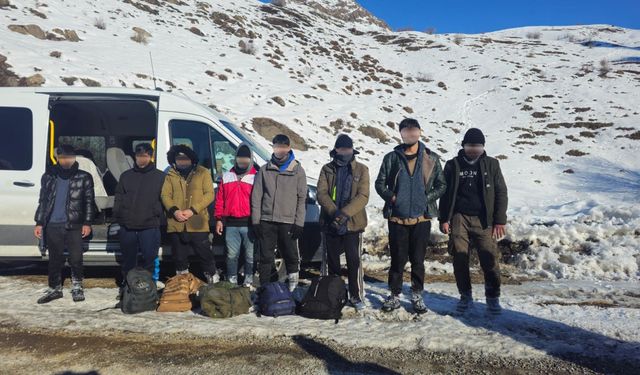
224, 300
140, 293
275, 300
176, 295
325, 298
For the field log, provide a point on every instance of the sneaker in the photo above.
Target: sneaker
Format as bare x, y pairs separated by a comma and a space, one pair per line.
418, 303
77, 294
293, 281
391, 303
233, 280
159, 285
248, 280
212, 279
493, 305
465, 303
357, 304
50, 295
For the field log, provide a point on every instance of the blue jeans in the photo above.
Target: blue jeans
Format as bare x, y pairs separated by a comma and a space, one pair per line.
145, 241
236, 238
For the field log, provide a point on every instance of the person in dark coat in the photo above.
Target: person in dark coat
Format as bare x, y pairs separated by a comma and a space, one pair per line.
63, 218
473, 212
138, 209
343, 194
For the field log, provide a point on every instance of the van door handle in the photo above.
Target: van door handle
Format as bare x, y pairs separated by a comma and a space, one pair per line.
24, 183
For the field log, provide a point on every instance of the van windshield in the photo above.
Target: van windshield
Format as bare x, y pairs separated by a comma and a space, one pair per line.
256, 148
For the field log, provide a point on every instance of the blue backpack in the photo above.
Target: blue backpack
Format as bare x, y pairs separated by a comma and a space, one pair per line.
275, 300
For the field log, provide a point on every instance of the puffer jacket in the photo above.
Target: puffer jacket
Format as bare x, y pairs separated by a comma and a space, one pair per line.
80, 200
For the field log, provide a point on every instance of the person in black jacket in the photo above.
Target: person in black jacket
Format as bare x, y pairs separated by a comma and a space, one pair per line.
138, 210
63, 218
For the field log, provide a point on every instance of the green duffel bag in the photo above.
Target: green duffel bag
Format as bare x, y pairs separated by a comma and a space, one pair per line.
224, 300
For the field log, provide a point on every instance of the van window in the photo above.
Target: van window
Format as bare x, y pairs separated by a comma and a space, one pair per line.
223, 151
16, 142
256, 148
92, 148
195, 135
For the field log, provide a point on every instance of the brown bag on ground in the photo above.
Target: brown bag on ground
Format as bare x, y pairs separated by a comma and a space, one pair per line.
177, 291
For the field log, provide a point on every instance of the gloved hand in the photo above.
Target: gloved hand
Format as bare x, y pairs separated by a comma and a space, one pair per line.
339, 223
295, 231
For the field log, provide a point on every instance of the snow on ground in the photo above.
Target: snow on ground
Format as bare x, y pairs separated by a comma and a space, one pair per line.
539, 319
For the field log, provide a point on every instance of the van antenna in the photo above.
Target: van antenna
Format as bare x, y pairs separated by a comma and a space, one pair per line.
153, 73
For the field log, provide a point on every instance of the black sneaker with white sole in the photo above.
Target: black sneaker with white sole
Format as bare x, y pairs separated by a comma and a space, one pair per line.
50, 295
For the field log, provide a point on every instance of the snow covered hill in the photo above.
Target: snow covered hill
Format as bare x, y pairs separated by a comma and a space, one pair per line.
559, 105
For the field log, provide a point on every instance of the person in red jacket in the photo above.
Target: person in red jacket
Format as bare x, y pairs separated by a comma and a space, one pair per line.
233, 214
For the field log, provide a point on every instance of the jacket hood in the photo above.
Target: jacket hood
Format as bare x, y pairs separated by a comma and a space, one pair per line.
181, 149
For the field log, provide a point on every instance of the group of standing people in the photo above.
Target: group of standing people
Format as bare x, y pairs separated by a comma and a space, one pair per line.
267, 206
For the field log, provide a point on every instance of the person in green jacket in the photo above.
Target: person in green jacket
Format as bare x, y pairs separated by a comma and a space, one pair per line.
410, 181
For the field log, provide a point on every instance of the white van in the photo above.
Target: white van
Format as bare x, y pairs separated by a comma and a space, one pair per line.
104, 125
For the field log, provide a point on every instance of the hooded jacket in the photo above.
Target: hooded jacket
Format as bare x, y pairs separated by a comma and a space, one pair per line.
195, 192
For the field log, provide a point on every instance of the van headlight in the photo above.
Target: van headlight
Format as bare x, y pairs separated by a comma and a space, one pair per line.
312, 194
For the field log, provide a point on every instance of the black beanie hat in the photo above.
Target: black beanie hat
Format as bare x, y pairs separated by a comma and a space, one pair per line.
65, 150
473, 136
281, 139
243, 152
144, 148
343, 141
409, 123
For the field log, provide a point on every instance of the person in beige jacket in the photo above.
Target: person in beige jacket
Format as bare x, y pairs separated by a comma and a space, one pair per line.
343, 194
186, 194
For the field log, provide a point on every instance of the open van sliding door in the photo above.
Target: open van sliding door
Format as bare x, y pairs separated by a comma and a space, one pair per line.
215, 150
24, 121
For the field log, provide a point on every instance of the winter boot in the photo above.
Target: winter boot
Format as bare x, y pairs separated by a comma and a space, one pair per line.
465, 303
391, 303
418, 303
493, 306
77, 292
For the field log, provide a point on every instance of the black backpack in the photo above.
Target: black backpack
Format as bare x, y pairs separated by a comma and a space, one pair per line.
325, 298
140, 293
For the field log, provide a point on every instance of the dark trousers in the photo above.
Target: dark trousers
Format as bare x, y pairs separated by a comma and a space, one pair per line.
143, 241
467, 231
349, 244
277, 235
182, 244
58, 239
408, 242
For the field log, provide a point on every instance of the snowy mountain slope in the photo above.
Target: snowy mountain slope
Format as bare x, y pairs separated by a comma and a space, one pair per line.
559, 105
